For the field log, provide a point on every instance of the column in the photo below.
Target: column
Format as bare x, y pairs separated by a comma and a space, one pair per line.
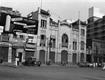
10, 54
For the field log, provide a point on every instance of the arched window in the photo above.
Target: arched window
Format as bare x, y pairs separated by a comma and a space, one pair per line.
82, 45
65, 40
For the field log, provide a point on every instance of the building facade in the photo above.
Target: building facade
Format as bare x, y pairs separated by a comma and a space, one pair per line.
40, 36
72, 42
59, 41
18, 38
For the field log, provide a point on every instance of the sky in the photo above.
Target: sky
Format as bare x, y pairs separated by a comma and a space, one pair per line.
65, 9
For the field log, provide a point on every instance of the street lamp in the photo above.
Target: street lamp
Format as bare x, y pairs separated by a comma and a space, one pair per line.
48, 49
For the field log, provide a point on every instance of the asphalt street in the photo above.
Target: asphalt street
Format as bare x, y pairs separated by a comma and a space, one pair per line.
50, 73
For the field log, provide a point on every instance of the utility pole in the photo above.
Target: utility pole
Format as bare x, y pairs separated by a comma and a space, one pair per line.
78, 35
41, 4
78, 14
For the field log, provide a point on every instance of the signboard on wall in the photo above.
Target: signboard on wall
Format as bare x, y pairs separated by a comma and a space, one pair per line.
4, 38
32, 46
29, 26
16, 19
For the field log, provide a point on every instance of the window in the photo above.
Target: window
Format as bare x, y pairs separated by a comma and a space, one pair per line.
52, 42
14, 36
43, 40
82, 45
30, 37
82, 32
21, 37
65, 40
43, 23
42, 37
74, 45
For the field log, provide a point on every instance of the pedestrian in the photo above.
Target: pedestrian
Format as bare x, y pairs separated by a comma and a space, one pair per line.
103, 66
16, 61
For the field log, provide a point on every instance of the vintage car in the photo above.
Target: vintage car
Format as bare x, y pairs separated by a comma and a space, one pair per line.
31, 61
86, 64
1, 60
83, 64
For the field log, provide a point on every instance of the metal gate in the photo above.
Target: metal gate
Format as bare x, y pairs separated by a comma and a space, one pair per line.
64, 56
42, 56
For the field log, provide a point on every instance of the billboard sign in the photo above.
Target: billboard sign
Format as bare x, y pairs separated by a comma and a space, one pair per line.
18, 23
29, 26
16, 19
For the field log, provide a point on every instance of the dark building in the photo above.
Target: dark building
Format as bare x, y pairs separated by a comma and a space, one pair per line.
24, 25
96, 39
4, 11
18, 36
96, 28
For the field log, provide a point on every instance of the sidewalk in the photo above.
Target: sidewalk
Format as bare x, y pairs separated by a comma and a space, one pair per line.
8, 64
59, 65
54, 65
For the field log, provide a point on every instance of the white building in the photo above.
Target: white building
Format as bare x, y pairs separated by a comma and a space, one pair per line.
72, 42
46, 39
59, 41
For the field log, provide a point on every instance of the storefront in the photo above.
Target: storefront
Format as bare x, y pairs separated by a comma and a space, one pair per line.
42, 56
4, 47
18, 51
52, 56
30, 50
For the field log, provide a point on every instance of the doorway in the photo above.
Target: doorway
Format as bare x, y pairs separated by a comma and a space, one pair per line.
20, 56
74, 58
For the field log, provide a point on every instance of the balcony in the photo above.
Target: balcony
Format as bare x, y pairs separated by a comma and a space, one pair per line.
65, 45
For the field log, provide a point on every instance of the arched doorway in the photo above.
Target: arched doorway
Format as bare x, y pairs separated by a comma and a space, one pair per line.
42, 56
64, 56
74, 58
52, 56
82, 57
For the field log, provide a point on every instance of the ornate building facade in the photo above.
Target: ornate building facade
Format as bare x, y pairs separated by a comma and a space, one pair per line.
40, 36
59, 41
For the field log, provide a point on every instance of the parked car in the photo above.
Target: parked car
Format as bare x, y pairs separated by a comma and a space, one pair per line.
86, 64
83, 64
90, 64
31, 61
1, 60
100, 65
